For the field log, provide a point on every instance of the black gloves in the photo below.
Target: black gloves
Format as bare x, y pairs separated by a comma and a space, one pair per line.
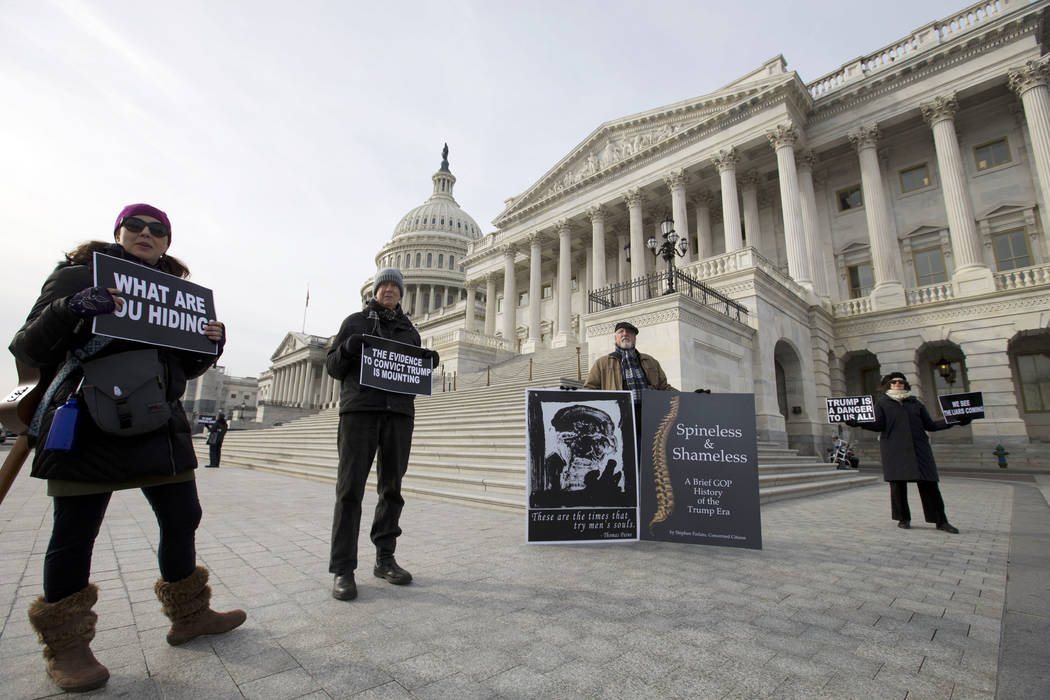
566, 387
91, 302
702, 391
352, 345
965, 421
432, 355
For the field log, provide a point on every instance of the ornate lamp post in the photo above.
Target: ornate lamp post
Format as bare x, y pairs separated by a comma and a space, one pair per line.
672, 246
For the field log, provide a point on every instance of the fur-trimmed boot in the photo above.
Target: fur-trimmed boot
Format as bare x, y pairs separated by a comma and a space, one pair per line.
66, 628
185, 603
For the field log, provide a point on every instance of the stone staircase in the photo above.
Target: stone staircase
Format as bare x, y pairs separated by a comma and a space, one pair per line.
469, 445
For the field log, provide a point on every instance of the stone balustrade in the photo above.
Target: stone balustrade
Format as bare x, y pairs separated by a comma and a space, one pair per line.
742, 259
460, 336
925, 38
853, 307
931, 294
1023, 277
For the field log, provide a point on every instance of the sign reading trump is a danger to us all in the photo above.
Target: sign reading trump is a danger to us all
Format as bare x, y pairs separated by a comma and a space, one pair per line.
159, 309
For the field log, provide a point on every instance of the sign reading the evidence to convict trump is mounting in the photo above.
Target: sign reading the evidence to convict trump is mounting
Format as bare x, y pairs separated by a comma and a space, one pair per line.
159, 309
699, 469
844, 408
956, 406
393, 366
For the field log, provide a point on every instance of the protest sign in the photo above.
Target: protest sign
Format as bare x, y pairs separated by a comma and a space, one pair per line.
844, 408
956, 406
393, 366
159, 309
699, 469
206, 419
582, 476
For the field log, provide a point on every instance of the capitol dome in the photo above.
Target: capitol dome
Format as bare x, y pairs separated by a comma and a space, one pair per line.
428, 246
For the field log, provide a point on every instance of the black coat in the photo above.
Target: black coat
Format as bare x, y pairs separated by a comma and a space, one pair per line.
49, 336
346, 366
905, 447
217, 432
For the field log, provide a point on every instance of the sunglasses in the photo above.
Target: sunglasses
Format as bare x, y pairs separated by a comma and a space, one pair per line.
156, 229
897, 381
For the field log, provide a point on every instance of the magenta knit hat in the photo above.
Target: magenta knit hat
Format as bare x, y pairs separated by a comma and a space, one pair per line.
148, 210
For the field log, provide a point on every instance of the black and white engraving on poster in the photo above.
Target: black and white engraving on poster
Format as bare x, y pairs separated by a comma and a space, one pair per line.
956, 406
844, 408
699, 469
159, 309
582, 476
393, 366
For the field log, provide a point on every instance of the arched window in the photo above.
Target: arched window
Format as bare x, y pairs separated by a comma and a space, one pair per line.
430, 259
451, 262
441, 260
418, 258
399, 260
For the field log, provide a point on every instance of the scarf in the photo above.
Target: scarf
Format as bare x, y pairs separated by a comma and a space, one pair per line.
633, 376
898, 395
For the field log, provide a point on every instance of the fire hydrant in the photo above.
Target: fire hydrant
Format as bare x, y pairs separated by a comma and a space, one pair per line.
1001, 453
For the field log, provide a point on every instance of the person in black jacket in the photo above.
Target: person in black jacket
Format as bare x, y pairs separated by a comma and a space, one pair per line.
216, 434
82, 479
373, 424
903, 422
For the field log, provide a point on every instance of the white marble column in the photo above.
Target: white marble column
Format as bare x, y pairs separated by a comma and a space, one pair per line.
623, 269
704, 245
563, 336
805, 160
297, 385
1030, 83
726, 162
417, 301
510, 299
676, 181
468, 309
308, 385
633, 199
535, 291
971, 275
749, 194
490, 304
597, 217
783, 139
888, 291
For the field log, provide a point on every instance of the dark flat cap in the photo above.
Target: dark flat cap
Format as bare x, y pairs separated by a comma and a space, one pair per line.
628, 326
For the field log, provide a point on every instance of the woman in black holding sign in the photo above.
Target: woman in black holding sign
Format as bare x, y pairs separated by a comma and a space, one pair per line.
903, 422
84, 464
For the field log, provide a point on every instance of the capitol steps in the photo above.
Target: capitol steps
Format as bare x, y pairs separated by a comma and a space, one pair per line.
469, 445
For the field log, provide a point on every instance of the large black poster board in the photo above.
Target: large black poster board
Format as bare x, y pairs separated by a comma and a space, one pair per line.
393, 366
159, 309
956, 406
582, 477
699, 469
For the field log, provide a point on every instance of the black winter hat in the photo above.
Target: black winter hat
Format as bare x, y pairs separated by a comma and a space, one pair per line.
628, 326
893, 375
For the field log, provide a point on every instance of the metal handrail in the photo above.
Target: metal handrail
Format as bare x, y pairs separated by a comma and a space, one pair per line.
659, 283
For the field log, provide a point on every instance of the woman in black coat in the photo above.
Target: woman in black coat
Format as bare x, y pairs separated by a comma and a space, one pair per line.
82, 476
903, 421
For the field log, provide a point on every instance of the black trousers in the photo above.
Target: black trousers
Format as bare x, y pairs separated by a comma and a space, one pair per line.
214, 453
387, 438
77, 520
929, 494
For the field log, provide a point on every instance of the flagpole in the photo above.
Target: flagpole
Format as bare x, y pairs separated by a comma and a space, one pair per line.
306, 306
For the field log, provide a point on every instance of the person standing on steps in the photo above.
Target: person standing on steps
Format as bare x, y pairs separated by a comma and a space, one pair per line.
216, 434
373, 424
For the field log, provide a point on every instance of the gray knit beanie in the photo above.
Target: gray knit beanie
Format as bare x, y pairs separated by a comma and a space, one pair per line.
389, 274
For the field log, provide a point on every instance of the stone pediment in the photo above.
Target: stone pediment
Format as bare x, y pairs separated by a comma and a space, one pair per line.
1003, 208
618, 144
294, 341
924, 230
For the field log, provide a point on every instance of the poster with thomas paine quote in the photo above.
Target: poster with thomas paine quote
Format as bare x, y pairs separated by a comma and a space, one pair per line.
699, 469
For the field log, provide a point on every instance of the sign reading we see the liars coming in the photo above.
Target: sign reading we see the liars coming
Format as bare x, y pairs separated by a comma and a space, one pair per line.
159, 309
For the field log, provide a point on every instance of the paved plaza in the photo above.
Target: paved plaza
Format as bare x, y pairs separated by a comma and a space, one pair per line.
840, 603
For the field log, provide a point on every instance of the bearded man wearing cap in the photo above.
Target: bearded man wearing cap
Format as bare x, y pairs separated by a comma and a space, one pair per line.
371, 421
626, 368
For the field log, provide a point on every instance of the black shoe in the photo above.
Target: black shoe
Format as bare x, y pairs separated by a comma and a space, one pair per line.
344, 587
904, 524
388, 569
211, 466
948, 527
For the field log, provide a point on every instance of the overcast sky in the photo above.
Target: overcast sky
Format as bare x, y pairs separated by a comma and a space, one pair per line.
287, 139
